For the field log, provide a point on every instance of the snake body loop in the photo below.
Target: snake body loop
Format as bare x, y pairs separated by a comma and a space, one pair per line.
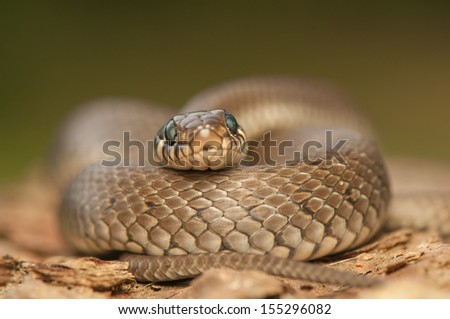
265, 216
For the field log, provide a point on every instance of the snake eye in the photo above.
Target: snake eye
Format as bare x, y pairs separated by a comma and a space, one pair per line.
231, 122
171, 132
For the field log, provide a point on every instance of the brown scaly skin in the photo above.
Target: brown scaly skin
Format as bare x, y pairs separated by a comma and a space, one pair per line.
258, 217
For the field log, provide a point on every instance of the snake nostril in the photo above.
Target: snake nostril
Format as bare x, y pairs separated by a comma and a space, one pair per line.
210, 148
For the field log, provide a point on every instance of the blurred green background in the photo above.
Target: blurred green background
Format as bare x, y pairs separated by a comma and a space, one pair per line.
394, 58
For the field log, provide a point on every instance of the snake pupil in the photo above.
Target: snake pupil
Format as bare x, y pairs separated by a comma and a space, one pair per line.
171, 132
231, 122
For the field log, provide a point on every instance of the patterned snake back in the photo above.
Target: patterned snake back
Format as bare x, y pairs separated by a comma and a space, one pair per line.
266, 216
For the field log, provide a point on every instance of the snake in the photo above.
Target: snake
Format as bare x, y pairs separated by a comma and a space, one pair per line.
217, 195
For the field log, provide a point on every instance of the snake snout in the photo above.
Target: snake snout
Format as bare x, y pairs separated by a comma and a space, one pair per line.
211, 147
201, 141
206, 140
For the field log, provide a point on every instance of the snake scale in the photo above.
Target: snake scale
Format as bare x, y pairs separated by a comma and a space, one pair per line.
176, 224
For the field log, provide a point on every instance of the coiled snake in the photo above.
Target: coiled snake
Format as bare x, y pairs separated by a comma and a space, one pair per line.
268, 215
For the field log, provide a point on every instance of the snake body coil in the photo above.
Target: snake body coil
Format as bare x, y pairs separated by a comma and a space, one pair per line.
266, 216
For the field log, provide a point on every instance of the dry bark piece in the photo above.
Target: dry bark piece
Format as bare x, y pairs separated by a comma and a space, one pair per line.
402, 260
34, 288
95, 273
9, 271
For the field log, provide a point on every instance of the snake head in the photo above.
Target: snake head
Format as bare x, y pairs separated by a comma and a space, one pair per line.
200, 140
